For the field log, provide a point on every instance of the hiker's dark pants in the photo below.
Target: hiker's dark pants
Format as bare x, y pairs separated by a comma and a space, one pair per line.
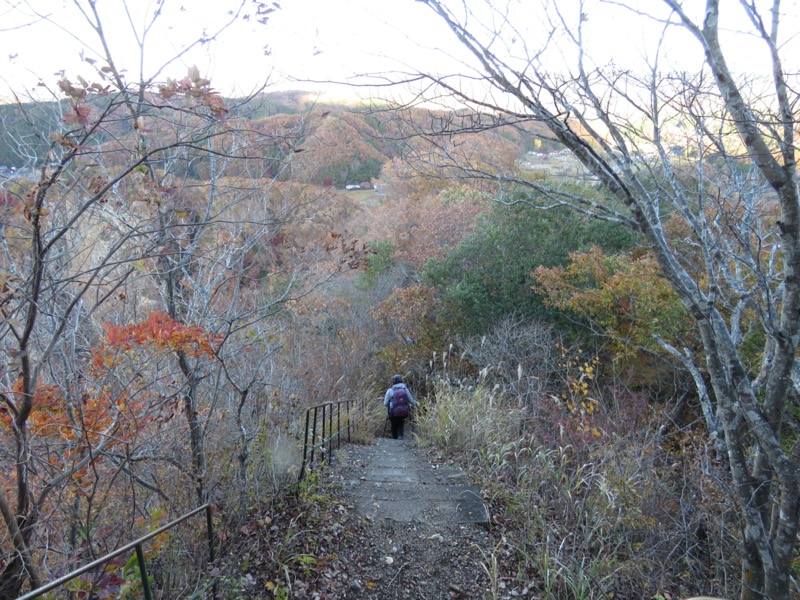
397, 426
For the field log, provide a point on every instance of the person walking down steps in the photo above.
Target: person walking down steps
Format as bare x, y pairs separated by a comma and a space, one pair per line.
398, 400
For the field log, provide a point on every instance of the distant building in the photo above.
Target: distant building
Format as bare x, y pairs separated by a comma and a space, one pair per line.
364, 185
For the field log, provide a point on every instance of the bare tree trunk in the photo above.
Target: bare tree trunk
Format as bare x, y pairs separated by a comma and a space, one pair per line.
590, 111
23, 565
196, 429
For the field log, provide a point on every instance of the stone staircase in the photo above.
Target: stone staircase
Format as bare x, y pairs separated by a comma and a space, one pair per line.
393, 479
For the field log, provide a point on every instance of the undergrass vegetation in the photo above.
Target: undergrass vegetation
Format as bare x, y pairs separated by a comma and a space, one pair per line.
372, 422
591, 493
465, 418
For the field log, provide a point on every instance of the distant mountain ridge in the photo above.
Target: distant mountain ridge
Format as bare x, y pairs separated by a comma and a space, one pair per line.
334, 144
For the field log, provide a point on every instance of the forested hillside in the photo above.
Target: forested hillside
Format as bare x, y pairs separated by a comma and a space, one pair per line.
587, 278
184, 274
179, 287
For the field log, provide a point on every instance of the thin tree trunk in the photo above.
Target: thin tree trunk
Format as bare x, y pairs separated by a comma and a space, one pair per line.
196, 431
22, 567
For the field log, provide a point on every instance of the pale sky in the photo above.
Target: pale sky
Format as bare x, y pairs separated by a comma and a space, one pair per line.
307, 39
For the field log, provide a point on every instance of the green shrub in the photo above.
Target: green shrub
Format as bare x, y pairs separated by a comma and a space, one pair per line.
489, 275
378, 262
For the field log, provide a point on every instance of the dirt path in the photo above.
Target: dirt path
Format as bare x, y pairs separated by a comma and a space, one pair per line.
419, 528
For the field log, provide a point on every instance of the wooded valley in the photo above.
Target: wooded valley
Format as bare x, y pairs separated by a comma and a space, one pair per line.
600, 324
176, 294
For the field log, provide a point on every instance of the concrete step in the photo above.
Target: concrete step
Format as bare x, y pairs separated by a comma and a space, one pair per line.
393, 479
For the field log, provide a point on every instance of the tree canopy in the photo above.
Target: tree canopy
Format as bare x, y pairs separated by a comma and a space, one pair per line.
711, 151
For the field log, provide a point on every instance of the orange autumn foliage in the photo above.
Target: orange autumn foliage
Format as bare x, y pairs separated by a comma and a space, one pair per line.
66, 430
160, 331
409, 314
83, 420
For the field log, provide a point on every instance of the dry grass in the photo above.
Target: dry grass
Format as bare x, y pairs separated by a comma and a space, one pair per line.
620, 515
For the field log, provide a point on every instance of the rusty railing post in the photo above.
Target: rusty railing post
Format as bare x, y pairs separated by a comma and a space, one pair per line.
338, 425
136, 546
211, 551
322, 440
305, 448
148, 593
330, 432
314, 437
349, 419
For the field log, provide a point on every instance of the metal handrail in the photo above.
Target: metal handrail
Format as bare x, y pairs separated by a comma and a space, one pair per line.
135, 545
349, 407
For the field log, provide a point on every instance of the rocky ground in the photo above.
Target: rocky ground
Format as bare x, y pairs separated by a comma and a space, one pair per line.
397, 561
348, 535
419, 551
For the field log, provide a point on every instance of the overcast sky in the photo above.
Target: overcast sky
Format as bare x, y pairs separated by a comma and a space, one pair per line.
306, 39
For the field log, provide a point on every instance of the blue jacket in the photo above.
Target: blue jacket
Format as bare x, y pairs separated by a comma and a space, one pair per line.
389, 395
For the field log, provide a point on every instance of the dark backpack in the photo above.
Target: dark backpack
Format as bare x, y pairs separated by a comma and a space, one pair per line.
399, 402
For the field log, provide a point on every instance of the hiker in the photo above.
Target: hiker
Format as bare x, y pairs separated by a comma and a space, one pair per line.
398, 400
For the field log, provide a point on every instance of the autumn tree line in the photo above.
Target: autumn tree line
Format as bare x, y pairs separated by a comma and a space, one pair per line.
182, 276
174, 299
589, 278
